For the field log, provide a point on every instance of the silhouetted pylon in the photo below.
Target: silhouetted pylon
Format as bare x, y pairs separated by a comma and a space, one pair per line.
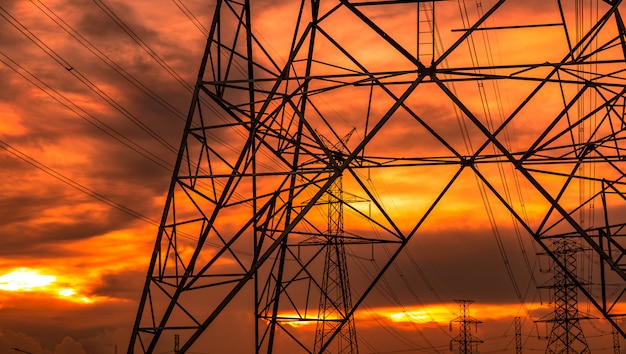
252, 165
466, 342
566, 335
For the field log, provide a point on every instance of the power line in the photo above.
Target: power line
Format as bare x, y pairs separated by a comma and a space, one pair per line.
72, 183
83, 79
98, 196
185, 10
89, 118
121, 24
107, 60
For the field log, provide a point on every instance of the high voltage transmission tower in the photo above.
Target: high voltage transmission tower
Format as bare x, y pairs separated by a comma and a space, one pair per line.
518, 335
231, 265
336, 301
566, 335
616, 346
465, 341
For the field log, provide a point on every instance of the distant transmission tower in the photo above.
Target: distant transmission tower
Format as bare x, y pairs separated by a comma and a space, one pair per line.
466, 342
616, 346
231, 253
566, 335
518, 335
335, 297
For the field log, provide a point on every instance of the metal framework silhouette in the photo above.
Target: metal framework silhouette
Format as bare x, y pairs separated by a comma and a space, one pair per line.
616, 345
335, 296
566, 335
518, 335
465, 341
253, 167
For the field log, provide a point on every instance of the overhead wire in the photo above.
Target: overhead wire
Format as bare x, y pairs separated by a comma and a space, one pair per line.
143, 45
490, 124
582, 139
83, 79
481, 186
587, 183
74, 184
69, 104
72, 106
185, 10
157, 58
391, 295
508, 142
163, 64
199, 28
88, 117
100, 125
96, 195
509, 139
52, 15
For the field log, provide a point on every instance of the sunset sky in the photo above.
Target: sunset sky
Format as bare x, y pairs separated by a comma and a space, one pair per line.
93, 101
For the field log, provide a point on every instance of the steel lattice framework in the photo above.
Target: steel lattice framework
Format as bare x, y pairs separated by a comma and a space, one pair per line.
566, 335
335, 297
465, 341
254, 166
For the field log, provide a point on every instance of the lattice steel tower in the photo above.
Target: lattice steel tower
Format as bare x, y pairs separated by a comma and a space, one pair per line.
566, 335
465, 341
518, 335
335, 297
421, 86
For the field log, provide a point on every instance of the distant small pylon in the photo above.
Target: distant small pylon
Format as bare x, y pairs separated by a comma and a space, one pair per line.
465, 340
518, 335
616, 346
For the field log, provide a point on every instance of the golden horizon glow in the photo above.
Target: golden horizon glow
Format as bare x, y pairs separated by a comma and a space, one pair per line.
427, 315
29, 280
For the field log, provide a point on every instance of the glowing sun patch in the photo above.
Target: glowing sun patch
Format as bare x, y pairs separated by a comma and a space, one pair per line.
32, 280
24, 280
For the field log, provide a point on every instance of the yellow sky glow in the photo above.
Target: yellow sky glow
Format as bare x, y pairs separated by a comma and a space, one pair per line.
24, 279
428, 315
27, 280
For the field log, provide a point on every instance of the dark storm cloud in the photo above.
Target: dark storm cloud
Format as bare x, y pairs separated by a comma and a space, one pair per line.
46, 239
107, 166
125, 285
454, 264
121, 168
19, 208
103, 22
127, 175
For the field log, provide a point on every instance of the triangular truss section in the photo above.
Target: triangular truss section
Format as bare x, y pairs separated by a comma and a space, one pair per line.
423, 104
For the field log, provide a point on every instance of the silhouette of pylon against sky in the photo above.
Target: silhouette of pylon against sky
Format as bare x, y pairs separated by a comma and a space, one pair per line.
518, 335
616, 345
465, 341
252, 167
616, 339
335, 296
566, 335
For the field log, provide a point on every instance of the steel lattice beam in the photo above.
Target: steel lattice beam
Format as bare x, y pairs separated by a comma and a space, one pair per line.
254, 165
